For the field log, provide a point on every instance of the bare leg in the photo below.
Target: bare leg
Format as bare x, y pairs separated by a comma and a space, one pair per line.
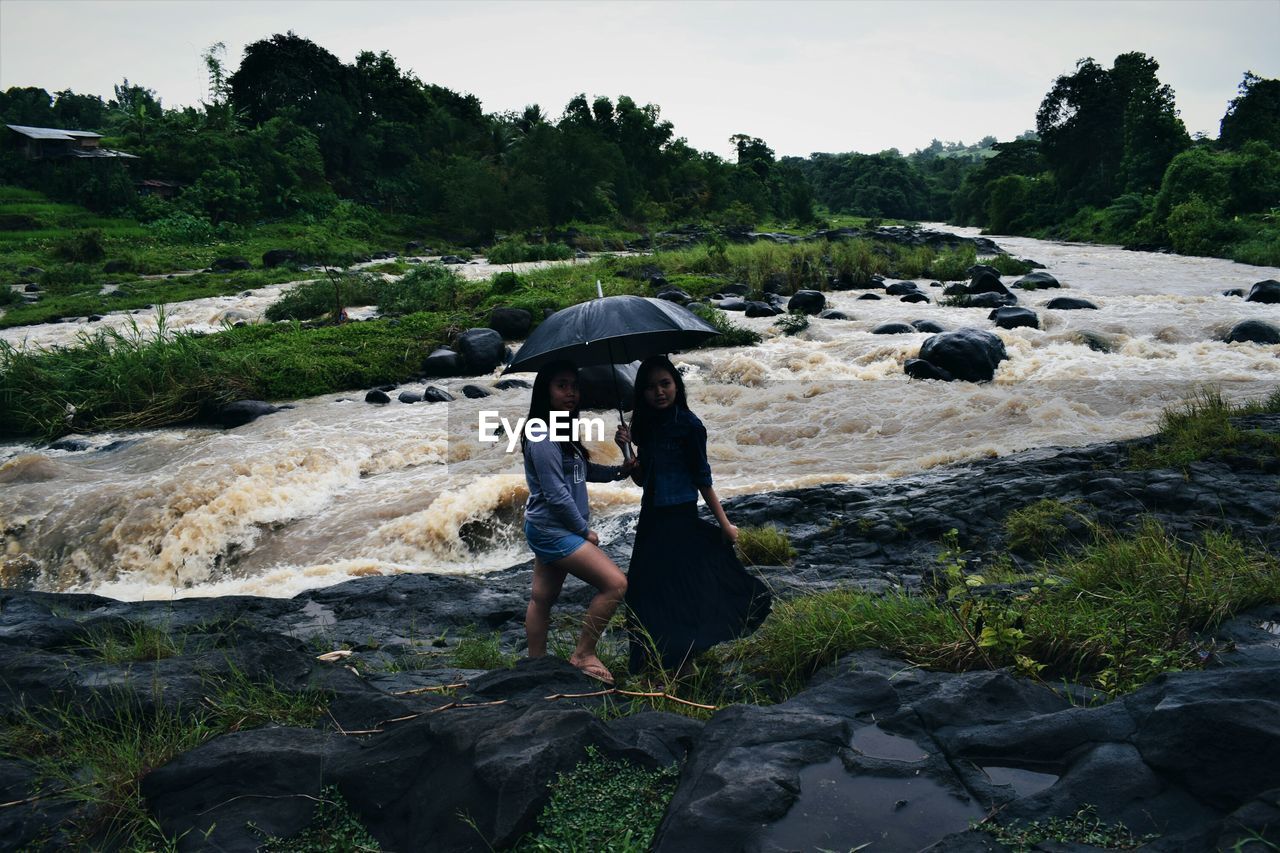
592, 565
547, 581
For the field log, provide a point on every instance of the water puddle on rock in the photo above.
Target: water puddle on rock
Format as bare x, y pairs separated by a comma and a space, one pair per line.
875, 742
840, 811
1270, 627
1024, 782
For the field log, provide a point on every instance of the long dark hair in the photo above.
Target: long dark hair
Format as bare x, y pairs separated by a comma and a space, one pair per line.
645, 416
540, 401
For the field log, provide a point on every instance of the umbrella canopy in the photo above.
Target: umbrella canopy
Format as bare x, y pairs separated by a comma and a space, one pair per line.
612, 330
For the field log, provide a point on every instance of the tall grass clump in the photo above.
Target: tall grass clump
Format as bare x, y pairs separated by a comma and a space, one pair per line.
731, 334
1201, 428
767, 545
518, 251
855, 261
952, 264
133, 641
430, 287
1008, 264
313, 299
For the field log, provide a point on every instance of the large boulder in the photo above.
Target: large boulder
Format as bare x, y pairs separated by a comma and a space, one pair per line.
807, 301
970, 355
1011, 317
1253, 332
230, 264
443, 362
1036, 281
276, 257
676, 295
762, 309
893, 329
436, 394
869, 296
914, 296
732, 303
901, 288
1264, 291
918, 368
1070, 303
242, 412
511, 323
988, 300
927, 326
987, 280
481, 349
833, 314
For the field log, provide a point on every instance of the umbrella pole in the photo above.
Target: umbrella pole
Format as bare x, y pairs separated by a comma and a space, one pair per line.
626, 451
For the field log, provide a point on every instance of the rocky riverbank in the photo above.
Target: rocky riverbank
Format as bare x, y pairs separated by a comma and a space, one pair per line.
873, 750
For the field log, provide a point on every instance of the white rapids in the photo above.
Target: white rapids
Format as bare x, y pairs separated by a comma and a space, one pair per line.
334, 488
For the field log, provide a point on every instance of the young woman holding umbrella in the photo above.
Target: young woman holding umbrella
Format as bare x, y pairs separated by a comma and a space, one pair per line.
686, 590
556, 517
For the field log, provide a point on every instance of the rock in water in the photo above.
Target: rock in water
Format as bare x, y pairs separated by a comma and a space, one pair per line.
971, 355
1013, 317
443, 362
1254, 332
1036, 281
807, 301
1068, 303
242, 412
1264, 291
893, 329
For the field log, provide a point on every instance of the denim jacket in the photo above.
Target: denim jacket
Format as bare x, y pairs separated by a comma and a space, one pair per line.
674, 460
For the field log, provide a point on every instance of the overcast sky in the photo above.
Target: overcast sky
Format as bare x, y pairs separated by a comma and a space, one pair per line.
804, 76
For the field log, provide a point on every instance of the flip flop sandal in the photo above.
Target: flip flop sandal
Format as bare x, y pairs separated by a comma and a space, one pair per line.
599, 672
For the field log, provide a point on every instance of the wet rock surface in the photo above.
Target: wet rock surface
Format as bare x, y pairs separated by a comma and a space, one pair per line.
1193, 757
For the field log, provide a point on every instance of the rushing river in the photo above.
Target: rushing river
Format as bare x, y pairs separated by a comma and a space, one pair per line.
335, 488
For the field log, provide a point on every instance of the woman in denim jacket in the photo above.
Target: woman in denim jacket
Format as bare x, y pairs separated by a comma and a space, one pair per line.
686, 589
556, 526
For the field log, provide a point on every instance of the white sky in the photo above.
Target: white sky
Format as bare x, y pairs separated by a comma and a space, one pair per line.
803, 76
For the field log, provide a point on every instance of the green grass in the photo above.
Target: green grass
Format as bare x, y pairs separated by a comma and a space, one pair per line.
765, 546
481, 651
518, 251
603, 805
132, 641
1202, 429
1083, 827
1115, 615
1040, 527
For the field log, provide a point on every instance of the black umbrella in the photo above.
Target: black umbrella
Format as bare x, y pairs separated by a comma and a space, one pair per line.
612, 330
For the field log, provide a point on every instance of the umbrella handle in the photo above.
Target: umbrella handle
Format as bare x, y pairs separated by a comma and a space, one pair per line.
622, 421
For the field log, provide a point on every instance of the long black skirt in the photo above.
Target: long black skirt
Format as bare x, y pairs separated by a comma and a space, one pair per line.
686, 588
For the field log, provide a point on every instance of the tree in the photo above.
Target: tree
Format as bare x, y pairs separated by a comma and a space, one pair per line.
26, 105
1254, 114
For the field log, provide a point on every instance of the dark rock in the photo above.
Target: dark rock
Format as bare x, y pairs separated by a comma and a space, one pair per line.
377, 397
93, 318
833, 314
443, 362
452, 260
927, 326
511, 323
676, 295
1068, 303
31, 288
71, 445
242, 412
115, 266
436, 394
277, 257
893, 329
914, 297
970, 355
869, 296
918, 368
385, 255
901, 288
30, 272
807, 301
409, 397
657, 281
230, 264
475, 392
988, 300
956, 288
1235, 291
1255, 332
481, 349
508, 384
987, 281
1095, 341
735, 289
1014, 317
762, 309
414, 247
1264, 291
732, 303
776, 282
1036, 281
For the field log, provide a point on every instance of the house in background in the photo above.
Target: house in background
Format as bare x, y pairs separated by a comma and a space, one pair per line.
47, 143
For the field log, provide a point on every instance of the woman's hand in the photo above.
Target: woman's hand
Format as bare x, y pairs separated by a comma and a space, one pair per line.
628, 465
593, 538
730, 532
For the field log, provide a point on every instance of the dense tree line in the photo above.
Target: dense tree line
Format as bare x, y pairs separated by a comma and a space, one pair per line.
294, 130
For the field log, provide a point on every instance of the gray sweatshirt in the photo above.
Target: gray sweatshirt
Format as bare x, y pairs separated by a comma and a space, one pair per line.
558, 486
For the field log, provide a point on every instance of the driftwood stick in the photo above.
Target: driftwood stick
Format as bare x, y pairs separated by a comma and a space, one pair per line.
435, 688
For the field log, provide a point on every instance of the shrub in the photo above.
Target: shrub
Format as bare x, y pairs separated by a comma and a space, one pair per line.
66, 278
765, 546
430, 287
792, 323
313, 299
182, 227
9, 296
515, 251
731, 334
1039, 527
80, 247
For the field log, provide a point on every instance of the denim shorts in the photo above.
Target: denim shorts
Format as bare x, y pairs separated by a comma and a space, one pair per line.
550, 546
